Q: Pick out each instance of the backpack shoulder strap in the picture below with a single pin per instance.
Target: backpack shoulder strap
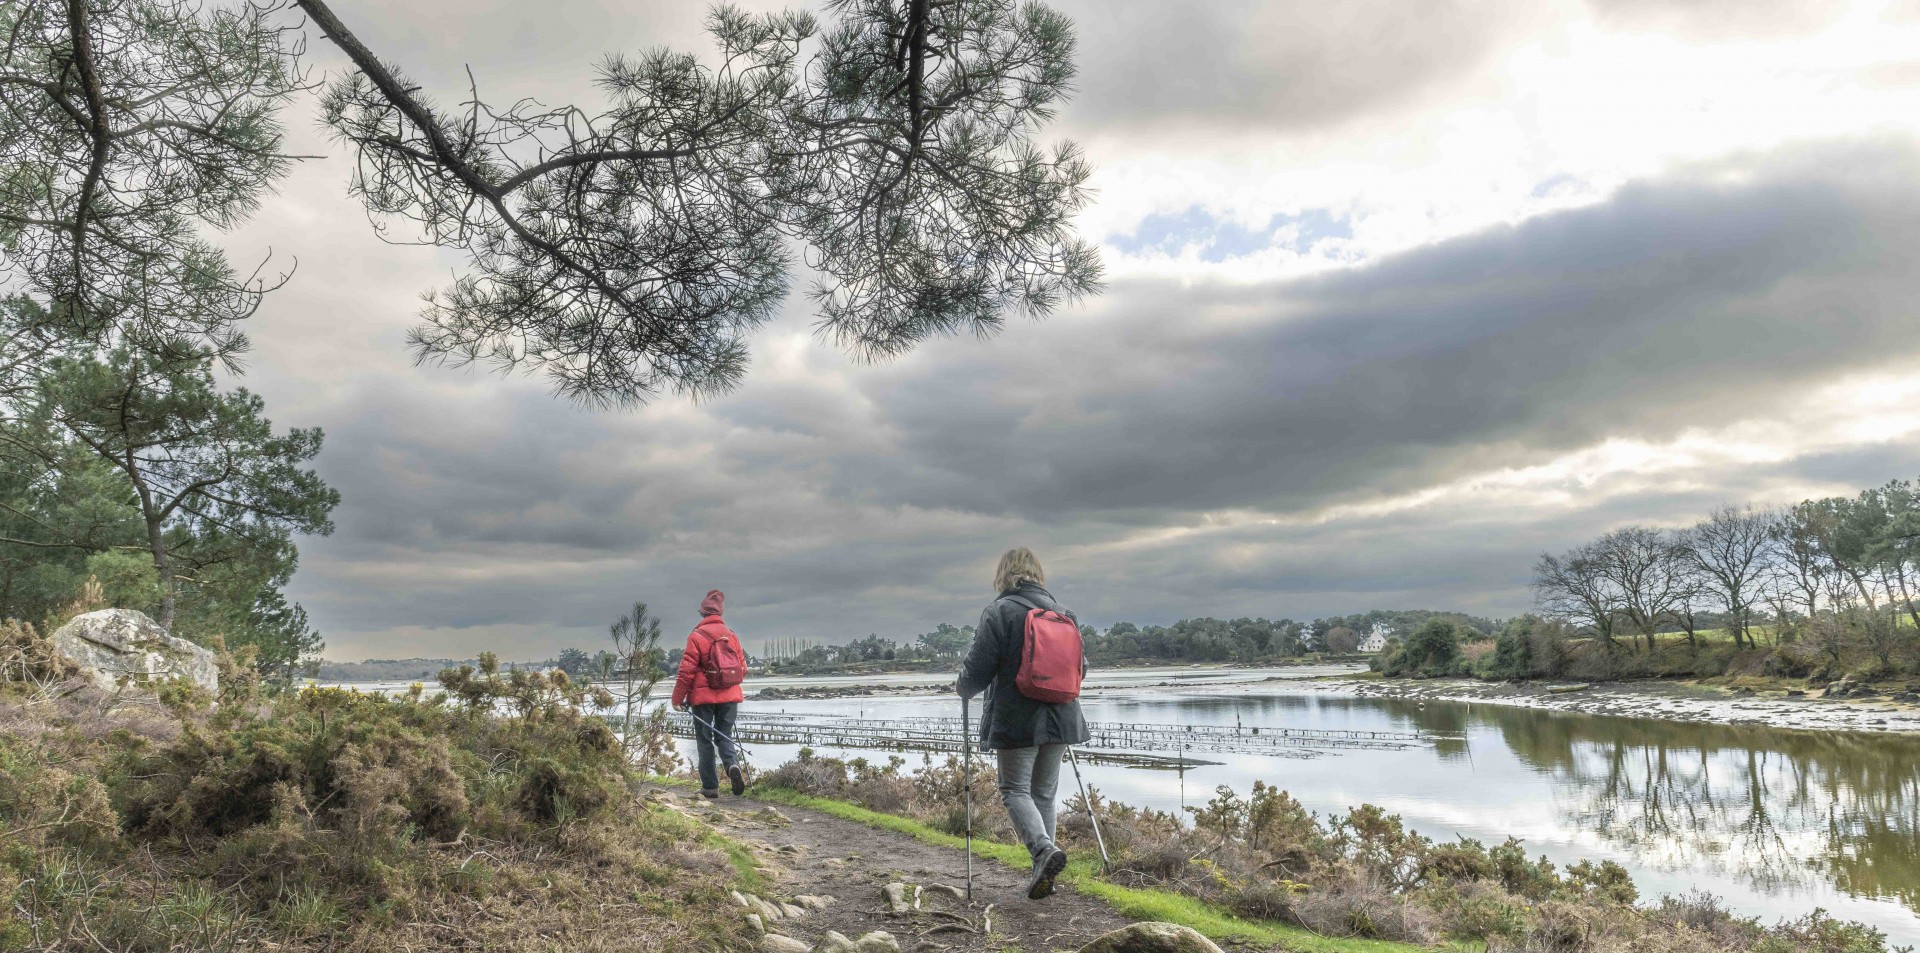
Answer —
(1023, 600)
(707, 639)
(1031, 605)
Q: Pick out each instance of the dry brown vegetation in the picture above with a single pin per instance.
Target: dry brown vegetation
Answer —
(1361, 875)
(327, 819)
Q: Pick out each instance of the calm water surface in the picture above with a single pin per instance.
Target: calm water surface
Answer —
(1775, 822)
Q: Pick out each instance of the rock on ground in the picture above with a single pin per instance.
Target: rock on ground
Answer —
(877, 942)
(835, 942)
(113, 644)
(775, 943)
(1151, 938)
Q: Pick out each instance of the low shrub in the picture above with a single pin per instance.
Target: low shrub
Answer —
(1363, 874)
(330, 819)
(1432, 650)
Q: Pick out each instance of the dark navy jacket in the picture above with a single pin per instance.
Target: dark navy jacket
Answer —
(1009, 719)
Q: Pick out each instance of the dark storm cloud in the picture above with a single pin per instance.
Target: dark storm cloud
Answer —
(1143, 64)
(835, 500)
(1702, 297)
(832, 500)
(1287, 67)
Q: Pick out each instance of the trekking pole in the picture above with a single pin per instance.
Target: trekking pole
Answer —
(737, 746)
(1106, 863)
(966, 784)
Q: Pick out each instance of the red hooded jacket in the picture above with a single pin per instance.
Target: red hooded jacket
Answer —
(691, 687)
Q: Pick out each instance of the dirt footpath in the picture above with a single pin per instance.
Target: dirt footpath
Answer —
(809, 854)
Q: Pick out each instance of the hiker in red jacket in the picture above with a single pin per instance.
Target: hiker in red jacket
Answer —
(712, 671)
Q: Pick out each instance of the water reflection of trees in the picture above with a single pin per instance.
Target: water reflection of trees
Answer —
(1774, 808)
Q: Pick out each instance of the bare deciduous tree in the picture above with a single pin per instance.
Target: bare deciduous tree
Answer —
(1729, 550)
(1800, 571)
(1575, 587)
(1644, 565)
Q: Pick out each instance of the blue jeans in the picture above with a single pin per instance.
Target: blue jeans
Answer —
(1028, 779)
(706, 741)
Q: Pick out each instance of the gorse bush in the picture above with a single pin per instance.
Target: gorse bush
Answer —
(333, 819)
(329, 787)
(28, 662)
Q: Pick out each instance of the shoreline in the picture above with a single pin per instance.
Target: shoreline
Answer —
(1644, 698)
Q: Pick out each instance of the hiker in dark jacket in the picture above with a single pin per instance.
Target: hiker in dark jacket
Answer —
(714, 709)
(1030, 736)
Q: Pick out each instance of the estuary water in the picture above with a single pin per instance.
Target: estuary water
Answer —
(1775, 822)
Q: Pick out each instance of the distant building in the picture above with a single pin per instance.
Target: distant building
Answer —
(1376, 639)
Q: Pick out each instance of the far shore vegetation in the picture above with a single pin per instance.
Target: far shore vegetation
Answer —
(1823, 594)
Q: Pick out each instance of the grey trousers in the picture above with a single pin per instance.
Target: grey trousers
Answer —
(1028, 779)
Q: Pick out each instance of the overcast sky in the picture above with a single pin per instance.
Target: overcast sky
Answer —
(1402, 294)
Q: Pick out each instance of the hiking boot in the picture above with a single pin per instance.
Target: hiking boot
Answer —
(738, 778)
(1040, 883)
(709, 793)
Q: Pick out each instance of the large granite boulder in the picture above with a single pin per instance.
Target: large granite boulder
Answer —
(114, 644)
(1151, 938)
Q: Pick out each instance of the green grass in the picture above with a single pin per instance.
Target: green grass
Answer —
(747, 875)
(1132, 902)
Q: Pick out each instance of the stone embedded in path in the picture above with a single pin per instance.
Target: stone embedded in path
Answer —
(775, 943)
(768, 913)
(835, 942)
(113, 644)
(896, 896)
(793, 911)
(951, 891)
(813, 903)
(877, 942)
(1151, 938)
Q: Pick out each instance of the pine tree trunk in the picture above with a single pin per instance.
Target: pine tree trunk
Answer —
(156, 544)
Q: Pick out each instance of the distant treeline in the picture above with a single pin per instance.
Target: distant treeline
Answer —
(1825, 590)
(1243, 640)
(404, 669)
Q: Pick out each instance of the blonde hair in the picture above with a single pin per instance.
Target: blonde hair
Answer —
(1018, 565)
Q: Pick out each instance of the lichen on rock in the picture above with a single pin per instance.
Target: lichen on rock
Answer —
(112, 645)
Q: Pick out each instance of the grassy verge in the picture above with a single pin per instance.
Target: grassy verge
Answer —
(747, 875)
(1134, 902)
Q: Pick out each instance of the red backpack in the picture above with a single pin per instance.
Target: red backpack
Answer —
(724, 666)
(1050, 657)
